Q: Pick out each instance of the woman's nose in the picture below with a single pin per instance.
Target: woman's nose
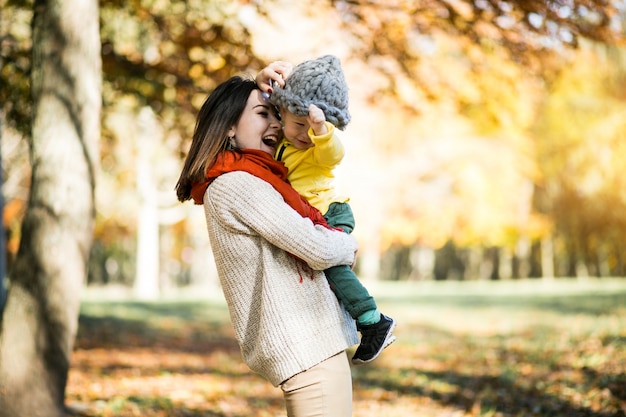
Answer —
(275, 122)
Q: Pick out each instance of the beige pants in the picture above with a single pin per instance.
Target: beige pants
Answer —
(322, 391)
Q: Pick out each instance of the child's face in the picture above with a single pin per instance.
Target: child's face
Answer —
(296, 129)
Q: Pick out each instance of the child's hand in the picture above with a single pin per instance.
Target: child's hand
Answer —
(277, 71)
(317, 120)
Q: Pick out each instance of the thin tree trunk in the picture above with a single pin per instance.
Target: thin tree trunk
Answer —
(3, 253)
(39, 324)
(547, 257)
(494, 263)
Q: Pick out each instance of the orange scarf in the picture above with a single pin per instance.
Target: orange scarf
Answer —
(261, 165)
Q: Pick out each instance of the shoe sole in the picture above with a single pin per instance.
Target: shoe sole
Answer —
(389, 339)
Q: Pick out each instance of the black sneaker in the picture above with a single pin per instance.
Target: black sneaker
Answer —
(374, 338)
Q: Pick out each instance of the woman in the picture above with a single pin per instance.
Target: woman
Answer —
(270, 249)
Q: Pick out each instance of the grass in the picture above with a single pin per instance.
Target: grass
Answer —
(497, 349)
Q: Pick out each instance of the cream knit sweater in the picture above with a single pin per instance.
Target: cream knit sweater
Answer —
(285, 316)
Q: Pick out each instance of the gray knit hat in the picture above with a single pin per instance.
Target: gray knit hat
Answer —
(318, 81)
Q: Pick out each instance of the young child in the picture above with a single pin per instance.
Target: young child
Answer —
(313, 103)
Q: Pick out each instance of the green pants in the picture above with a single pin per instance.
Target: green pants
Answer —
(345, 284)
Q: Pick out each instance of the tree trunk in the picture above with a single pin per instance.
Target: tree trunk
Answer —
(547, 257)
(39, 324)
(491, 263)
(3, 258)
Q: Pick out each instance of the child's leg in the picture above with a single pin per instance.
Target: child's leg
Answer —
(340, 215)
(376, 328)
(354, 296)
(343, 281)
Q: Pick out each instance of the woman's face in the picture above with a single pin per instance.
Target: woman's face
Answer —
(258, 127)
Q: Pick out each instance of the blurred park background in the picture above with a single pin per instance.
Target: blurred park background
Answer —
(486, 140)
(484, 150)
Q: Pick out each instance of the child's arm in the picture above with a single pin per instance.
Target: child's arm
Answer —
(317, 120)
(328, 149)
(277, 71)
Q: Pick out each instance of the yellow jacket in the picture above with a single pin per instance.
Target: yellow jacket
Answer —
(311, 170)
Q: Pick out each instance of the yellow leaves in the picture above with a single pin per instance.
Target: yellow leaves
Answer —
(197, 100)
(196, 54)
(425, 229)
(215, 63)
(582, 130)
(196, 71)
(455, 185)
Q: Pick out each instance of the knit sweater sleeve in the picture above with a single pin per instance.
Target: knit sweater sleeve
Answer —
(247, 204)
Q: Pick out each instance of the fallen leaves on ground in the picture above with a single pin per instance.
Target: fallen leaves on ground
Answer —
(178, 365)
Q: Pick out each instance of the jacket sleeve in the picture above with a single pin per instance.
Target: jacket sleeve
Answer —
(328, 150)
(247, 204)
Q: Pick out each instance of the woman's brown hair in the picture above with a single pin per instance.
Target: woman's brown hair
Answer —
(220, 112)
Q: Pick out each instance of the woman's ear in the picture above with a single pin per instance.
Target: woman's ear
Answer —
(232, 142)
